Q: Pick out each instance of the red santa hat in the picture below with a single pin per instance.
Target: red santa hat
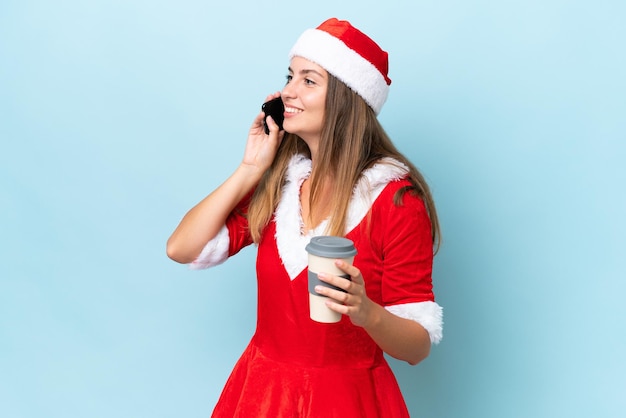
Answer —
(351, 56)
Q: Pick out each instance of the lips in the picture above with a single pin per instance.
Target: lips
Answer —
(292, 110)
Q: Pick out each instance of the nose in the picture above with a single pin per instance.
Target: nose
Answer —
(288, 91)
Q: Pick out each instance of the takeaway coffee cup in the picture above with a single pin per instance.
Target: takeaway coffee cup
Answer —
(323, 251)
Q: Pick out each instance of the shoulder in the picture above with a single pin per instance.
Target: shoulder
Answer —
(399, 218)
(399, 199)
(379, 177)
(391, 178)
(374, 181)
(383, 172)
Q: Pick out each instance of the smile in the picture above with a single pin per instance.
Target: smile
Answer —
(292, 110)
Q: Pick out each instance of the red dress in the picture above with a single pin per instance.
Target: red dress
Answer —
(296, 367)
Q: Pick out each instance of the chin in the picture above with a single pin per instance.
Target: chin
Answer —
(291, 129)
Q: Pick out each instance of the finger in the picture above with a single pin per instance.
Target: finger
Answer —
(271, 124)
(338, 281)
(258, 125)
(338, 307)
(275, 132)
(272, 96)
(354, 272)
(258, 121)
(338, 296)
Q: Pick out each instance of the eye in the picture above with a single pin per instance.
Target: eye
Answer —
(309, 82)
(289, 77)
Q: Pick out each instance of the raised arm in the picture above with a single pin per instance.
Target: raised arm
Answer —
(205, 219)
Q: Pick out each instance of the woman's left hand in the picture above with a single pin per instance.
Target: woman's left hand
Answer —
(354, 301)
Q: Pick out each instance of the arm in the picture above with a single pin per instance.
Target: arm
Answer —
(204, 220)
(401, 338)
(404, 320)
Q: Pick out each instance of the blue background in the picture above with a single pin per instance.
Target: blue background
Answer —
(117, 116)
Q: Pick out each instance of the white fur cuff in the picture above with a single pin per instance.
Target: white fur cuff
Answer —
(427, 314)
(214, 252)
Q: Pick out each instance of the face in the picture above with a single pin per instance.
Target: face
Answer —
(304, 96)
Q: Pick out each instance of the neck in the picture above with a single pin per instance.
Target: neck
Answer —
(313, 215)
(312, 143)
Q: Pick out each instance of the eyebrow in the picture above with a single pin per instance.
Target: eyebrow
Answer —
(307, 71)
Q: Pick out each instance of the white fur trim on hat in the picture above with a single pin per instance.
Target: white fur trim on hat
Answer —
(344, 63)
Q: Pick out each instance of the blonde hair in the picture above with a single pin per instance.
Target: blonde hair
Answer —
(352, 140)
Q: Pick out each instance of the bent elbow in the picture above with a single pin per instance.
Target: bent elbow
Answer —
(420, 355)
(175, 254)
(417, 360)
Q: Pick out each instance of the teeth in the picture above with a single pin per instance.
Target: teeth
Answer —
(292, 110)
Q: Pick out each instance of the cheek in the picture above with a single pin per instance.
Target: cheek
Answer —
(319, 107)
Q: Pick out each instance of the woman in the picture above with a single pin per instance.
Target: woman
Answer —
(332, 171)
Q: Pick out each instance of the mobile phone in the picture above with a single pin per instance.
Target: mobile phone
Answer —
(276, 109)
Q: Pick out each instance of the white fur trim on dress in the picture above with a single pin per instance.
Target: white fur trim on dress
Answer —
(214, 252)
(427, 314)
(369, 187)
(344, 63)
(290, 240)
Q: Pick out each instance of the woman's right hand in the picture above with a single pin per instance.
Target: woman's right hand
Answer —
(204, 221)
(261, 148)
